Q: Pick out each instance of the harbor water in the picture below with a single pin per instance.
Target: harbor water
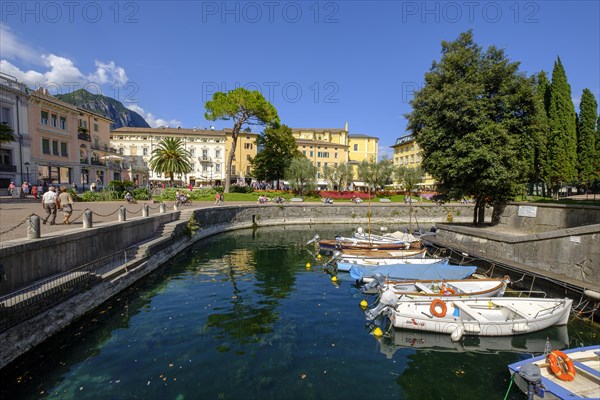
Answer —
(242, 316)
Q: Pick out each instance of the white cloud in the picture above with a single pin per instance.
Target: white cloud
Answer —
(15, 49)
(151, 118)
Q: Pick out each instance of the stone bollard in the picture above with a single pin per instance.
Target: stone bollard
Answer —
(163, 208)
(33, 227)
(145, 210)
(175, 208)
(122, 214)
(87, 219)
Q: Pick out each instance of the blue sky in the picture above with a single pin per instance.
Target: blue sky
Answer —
(320, 63)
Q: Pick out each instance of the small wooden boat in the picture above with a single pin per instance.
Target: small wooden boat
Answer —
(479, 316)
(344, 264)
(329, 244)
(431, 289)
(404, 237)
(568, 374)
(398, 254)
(413, 271)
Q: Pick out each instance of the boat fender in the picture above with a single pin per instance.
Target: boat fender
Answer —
(561, 365)
(433, 308)
(592, 294)
(388, 298)
(457, 333)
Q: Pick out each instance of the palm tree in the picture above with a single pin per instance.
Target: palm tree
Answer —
(6, 133)
(170, 157)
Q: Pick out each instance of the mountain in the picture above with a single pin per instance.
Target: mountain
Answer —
(105, 106)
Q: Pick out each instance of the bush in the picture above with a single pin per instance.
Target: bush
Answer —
(348, 195)
(241, 189)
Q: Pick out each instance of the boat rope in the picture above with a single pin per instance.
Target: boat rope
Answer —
(512, 378)
(523, 277)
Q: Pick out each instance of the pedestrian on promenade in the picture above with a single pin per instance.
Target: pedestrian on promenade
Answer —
(40, 189)
(11, 188)
(25, 189)
(65, 203)
(49, 204)
(34, 191)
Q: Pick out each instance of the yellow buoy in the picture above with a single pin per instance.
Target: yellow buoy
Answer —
(334, 278)
(318, 256)
(364, 303)
(377, 332)
(307, 265)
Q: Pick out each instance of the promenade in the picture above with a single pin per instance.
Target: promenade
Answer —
(14, 212)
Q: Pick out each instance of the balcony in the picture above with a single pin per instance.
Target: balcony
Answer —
(205, 159)
(97, 162)
(8, 168)
(84, 136)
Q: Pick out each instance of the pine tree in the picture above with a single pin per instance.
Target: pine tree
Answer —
(562, 139)
(586, 138)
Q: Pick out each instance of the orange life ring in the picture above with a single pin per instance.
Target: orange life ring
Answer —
(446, 291)
(561, 365)
(433, 308)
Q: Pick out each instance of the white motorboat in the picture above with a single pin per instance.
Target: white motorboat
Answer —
(479, 316)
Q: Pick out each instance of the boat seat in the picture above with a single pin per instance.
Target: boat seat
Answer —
(423, 288)
(472, 312)
(511, 308)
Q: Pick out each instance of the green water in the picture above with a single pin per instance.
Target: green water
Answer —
(239, 316)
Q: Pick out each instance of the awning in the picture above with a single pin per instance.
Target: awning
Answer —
(359, 184)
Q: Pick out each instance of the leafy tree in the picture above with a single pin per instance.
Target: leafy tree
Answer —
(562, 140)
(339, 175)
(472, 119)
(302, 175)
(243, 107)
(6, 133)
(586, 138)
(170, 157)
(376, 174)
(277, 147)
(408, 177)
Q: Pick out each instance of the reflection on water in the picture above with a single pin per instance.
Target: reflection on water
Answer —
(239, 316)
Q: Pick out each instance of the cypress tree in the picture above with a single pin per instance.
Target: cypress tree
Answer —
(562, 139)
(586, 137)
(540, 128)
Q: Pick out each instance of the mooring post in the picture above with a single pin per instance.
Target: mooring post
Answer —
(33, 227)
(87, 219)
(145, 210)
(175, 208)
(122, 214)
(163, 208)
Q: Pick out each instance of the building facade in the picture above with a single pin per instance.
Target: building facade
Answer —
(15, 156)
(207, 149)
(408, 153)
(70, 145)
(245, 151)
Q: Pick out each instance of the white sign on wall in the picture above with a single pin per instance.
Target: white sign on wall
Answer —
(527, 211)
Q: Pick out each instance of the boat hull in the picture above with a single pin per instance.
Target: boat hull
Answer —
(413, 271)
(483, 316)
(344, 264)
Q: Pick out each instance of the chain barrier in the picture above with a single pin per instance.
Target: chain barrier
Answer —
(133, 213)
(154, 208)
(80, 215)
(107, 215)
(19, 224)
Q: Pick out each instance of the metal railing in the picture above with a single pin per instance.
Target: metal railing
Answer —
(29, 301)
(8, 168)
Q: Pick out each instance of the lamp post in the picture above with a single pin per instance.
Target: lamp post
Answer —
(27, 168)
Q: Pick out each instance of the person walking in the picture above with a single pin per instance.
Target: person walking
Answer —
(49, 200)
(65, 202)
(25, 189)
(217, 199)
(34, 191)
(11, 188)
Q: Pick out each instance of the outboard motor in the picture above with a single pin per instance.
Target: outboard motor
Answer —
(532, 375)
(376, 284)
(387, 301)
(314, 239)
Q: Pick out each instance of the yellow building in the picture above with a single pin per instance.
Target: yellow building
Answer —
(408, 153)
(246, 150)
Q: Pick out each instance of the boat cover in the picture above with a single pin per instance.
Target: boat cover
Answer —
(433, 271)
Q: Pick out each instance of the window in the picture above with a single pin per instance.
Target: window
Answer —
(63, 123)
(247, 146)
(46, 146)
(145, 151)
(218, 153)
(55, 148)
(53, 120)
(311, 153)
(304, 152)
(218, 168)
(334, 155)
(44, 118)
(83, 123)
(204, 167)
(355, 147)
(204, 154)
(5, 157)
(193, 152)
(63, 149)
(95, 127)
(5, 116)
